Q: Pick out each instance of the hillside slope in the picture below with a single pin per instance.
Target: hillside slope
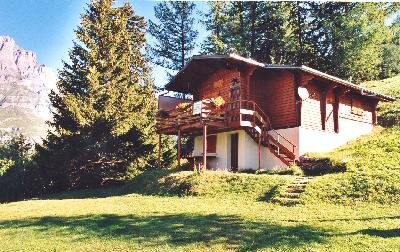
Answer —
(388, 112)
(372, 171)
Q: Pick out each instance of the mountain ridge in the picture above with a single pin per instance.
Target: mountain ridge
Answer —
(24, 88)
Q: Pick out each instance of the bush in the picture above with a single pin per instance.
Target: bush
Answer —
(315, 165)
(20, 182)
(19, 175)
(389, 114)
(5, 164)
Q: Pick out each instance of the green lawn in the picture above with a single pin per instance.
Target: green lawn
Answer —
(159, 223)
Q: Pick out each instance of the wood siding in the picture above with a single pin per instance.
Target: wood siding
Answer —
(311, 108)
(218, 84)
(345, 111)
(274, 92)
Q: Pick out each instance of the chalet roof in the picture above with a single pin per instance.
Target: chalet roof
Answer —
(200, 66)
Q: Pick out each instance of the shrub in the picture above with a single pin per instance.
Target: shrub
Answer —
(20, 182)
(5, 164)
(19, 175)
(319, 165)
(389, 114)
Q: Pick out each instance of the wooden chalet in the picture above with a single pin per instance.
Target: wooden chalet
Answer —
(248, 115)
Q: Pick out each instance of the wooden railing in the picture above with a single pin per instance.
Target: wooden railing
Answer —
(175, 117)
(249, 111)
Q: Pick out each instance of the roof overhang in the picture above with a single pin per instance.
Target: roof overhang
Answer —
(201, 66)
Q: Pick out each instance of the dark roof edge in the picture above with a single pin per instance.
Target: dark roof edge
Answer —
(364, 91)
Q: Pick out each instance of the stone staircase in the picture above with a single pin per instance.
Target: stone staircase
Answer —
(291, 194)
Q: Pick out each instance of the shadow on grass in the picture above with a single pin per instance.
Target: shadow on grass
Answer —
(145, 183)
(230, 232)
(384, 233)
(357, 219)
(270, 194)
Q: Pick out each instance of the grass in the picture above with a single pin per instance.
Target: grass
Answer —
(158, 223)
(220, 185)
(210, 184)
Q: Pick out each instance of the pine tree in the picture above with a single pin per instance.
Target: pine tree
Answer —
(343, 39)
(251, 29)
(214, 21)
(350, 39)
(174, 34)
(104, 109)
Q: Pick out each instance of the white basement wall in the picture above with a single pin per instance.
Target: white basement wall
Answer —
(305, 139)
(312, 140)
(247, 151)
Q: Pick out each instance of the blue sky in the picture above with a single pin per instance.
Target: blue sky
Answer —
(47, 27)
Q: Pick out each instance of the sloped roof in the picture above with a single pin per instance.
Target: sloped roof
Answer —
(184, 77)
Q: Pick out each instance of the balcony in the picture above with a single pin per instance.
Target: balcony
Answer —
(189, 117)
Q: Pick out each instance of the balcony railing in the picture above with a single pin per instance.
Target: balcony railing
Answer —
(189, 113)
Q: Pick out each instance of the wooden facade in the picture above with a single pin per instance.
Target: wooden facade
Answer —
(262, 99)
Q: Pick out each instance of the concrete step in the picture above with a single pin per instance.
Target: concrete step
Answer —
(297, 185)
(291, 195)
(294, 190)
(302, 181)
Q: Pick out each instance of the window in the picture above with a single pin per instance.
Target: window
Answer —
(356, 107)
(212, 144)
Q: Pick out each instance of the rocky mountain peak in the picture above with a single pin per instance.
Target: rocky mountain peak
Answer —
(24, 88)
(17, 63)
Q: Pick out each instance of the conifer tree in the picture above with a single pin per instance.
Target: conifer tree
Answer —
(103, 116)
(214, 21)
(174, 34)
(343, 39)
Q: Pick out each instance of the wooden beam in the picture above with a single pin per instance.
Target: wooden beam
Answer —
(159, 152)
(179, 148)
(297, 99)
(259, 151)
(204, 147)
(336, 92)
(374, 116)
(322, 106)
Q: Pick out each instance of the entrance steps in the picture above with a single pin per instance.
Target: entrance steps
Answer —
(291, 194)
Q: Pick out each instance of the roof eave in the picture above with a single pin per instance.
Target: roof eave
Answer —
(307, 69)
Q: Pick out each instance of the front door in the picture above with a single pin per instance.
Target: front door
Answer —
(234, 151)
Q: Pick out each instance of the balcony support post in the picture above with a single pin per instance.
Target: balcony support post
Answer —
(204, 147)
(159, 152)
(179, 147)
(259, 150)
